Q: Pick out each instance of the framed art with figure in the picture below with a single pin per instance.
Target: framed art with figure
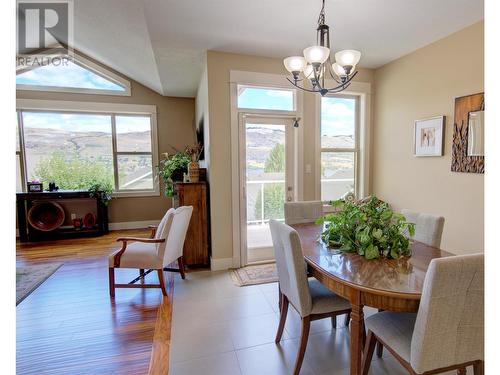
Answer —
(429, 136)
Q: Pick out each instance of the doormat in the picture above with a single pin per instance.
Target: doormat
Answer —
(254, 275)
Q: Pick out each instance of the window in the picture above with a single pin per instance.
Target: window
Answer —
(77, 149)
(71, 74)
(339, 146)
(266, 98)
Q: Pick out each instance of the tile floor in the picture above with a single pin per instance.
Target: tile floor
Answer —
(221, 329)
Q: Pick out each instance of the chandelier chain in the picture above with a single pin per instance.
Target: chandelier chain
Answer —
(321, 17)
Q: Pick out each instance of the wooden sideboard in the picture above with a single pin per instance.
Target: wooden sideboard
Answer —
(197, 244)
(27, 200)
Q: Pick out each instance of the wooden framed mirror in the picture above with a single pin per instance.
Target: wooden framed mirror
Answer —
(468, 134)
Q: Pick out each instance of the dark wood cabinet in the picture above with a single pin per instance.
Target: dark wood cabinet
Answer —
(197, 244)
(27, 200)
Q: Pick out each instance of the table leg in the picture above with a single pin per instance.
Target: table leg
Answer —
(357, 328)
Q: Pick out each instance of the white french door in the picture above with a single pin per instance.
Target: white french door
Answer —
(267, 180)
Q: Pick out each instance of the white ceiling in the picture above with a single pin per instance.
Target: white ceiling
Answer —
(160, 43)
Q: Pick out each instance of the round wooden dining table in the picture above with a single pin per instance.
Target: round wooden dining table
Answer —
(387, 284)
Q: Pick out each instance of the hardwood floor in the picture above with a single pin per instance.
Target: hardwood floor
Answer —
(69, 325)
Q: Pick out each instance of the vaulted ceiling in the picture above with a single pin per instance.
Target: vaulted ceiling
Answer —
(160, 43)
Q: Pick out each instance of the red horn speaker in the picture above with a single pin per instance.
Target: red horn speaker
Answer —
(46, 216)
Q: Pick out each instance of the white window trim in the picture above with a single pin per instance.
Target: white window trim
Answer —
(103, 108)
(267, 80)
(87, 64)
(362, 184)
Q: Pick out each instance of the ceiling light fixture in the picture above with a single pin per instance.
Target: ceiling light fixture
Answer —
(316, 63)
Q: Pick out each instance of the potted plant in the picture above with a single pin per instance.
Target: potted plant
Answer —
(194, 153)
(171, 168)
(101, 191)
(369, 228)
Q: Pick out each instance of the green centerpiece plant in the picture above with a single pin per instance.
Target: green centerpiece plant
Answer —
(171, 164)
(369, 228)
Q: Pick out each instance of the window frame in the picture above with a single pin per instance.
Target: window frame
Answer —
(355, 150)
(89, 108)
(86, 64)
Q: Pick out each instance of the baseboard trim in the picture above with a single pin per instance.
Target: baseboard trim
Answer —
(221, 264)
(132, 224)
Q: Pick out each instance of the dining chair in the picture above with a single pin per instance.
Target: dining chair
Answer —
(303, 212)
(428, 228)
(447, 333)
(164, 247)
(308, 297)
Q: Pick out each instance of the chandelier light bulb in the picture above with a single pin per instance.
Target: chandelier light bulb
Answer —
(309, 72)
(295, 64)
(316, 54)
(348, 57)
(338, 70)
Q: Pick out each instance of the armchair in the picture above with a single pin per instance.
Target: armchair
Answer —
(164, 246)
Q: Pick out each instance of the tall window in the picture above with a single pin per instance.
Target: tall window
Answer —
(76, 150)
(339, 146)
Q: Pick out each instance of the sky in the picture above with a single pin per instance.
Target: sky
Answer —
(337, 116)
(84, 122)
(66, 75)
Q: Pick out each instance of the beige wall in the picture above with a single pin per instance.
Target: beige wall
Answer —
(422, 84)
(219, 66)
(175, 117)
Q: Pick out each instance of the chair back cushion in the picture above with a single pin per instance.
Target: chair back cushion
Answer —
(303, 212)
(164, 226)
(428, 228)
(174, 243)
(292, 273)
(449, 329)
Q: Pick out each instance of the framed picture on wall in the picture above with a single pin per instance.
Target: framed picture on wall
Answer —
(429, 136)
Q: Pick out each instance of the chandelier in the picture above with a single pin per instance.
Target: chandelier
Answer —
(312, 68)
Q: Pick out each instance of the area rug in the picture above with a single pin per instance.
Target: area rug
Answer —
(253, 275)
(31, 277)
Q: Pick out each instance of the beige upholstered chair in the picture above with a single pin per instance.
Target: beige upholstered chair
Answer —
(156, 253)
(303, 212)
(447, 333)
(310, 298)
(428, 228)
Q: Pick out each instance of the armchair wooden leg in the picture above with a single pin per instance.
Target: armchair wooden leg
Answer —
(478, 368)
(141, 272)
(304, 336)
(181, 267)
(347, 319)
(280, 297)
(371, 340)
(334, 322)
(162, 282)
(283, 313)
(111, 281)
(380, 349)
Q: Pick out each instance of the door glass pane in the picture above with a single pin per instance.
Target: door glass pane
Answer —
(337, 174)
(72, 150)
(133, 133)
(135, 172)
(265, 181)
(265, 98)
(19, 180)
(338, 122)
